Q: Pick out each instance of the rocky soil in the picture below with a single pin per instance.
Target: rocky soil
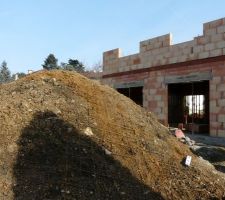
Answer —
(66, 137)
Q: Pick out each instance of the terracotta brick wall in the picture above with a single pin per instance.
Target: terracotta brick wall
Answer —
(156, 95)
(158, 59)
(155, 91)
(160, 51)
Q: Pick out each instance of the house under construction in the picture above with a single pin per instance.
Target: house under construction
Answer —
(183, 84)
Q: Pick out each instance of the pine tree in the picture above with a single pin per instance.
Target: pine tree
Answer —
(5, 74)
(73, 65)
(50, 62)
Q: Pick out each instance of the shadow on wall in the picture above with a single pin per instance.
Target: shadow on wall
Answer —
(56, 162)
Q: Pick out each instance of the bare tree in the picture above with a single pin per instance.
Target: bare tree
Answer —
(97, 67)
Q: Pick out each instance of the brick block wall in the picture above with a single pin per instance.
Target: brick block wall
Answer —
(217, 101)
(160, 51)
(156, 95)
(110, 60)
(155, 43)
(155, 91)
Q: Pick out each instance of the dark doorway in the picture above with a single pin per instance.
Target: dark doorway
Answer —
(134, 93)
(188, 106)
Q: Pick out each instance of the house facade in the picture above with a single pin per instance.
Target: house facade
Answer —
(183, 84)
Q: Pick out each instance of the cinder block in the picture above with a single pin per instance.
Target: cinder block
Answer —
(209, 32)
(158, 45)
(133, 67)
(212, 104)
(221, 102)
(212, 87)
(187, 50)
(158, 97)
(152, 104)
(161, 116)
(216, 125)
(215, 52)
(201, 40)
(220, 45)
(221, 87)
(161, 104)
(145, 104)
(150, 98)
(163, 61)
(159, 57)
(160, 79)
(157, 110)
(215, 109)
(221, 118)
(213, 24)
(173, 60)
(209, 47)
(198, 49)
(192, 56)
(152, 91)
(215, 80)
(140, 66)
(120, 69)
(217, 38)
(214, 95)
(213, 117)
(203, 55)
(213, 132)
(142, 48)
(221, 29)
(221, 133)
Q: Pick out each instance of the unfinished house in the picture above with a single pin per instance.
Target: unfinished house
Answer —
(183, 84)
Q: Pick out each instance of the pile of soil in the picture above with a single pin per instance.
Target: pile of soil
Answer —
(66, 137)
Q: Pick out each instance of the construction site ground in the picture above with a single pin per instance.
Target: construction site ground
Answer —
(65, 137)
(211, 149)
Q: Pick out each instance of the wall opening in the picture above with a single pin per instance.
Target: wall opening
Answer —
(188, 106)
(134, 93)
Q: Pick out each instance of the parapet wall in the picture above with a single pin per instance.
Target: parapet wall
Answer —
(160, 50)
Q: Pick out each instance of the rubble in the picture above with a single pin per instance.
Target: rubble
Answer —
(45, 152)
(178, 133)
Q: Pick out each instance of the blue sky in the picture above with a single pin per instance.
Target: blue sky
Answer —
(83, 29)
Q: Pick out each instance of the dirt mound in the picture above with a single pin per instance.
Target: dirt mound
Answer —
(66, 137)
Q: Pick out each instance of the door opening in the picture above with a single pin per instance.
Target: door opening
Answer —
(188, 106)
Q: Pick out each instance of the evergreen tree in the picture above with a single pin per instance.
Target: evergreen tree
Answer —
(50, 62)
(73, 65)
(5, 74)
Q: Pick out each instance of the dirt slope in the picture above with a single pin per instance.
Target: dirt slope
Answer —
(66, 137)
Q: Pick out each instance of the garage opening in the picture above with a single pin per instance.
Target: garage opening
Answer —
(134, 93)
(188, 106)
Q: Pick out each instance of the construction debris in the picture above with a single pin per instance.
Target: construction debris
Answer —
(46, 151)
(188, 161)
(179, 134)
